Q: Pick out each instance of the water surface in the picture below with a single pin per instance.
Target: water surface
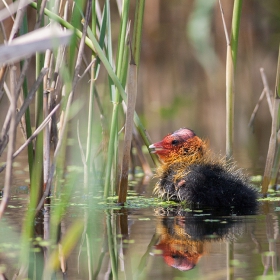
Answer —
(152, 242)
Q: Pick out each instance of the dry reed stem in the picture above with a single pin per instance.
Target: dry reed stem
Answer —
(47, 189)
(18, 21)
(34, 135)
(87, 69)
(31, 94)
(11, 146)
(250, 124)
(224, 23)
(27, 101)
(8, 9)
(16, 26)
(12, 8)
(3, 75)
(229, 92)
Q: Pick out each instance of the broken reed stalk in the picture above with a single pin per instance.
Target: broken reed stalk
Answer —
(12, 140)
(272, 154)
(131, 101)
(266, 92)
(253, 115)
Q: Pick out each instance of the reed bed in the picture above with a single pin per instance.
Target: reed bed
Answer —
(71, 44)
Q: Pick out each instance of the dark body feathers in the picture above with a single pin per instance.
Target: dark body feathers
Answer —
(209, 185)
(190, 173)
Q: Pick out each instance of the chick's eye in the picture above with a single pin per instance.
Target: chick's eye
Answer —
(175, 142)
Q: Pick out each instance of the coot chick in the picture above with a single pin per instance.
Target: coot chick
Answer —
(189, 173)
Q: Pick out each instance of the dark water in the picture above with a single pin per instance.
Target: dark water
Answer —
(153, 242)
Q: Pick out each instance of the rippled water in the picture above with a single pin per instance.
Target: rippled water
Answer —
(144, 241)
(155, 242)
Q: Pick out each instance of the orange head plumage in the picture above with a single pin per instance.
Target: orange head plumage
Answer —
(181, 145)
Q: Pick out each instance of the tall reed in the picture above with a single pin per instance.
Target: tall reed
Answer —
(232, 47)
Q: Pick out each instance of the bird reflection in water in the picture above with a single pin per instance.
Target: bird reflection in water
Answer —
(184, 235)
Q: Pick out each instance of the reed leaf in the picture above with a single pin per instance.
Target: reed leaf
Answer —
(64, 249)
(35, 41)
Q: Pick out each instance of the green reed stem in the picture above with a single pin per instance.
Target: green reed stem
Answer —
(28, 126)
(230, 73)
(137, 31)
(112, 148)
(236, 16)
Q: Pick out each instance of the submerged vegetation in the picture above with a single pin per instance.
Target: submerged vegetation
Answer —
(69, 91)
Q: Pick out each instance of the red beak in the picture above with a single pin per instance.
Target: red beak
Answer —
(156, 147)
